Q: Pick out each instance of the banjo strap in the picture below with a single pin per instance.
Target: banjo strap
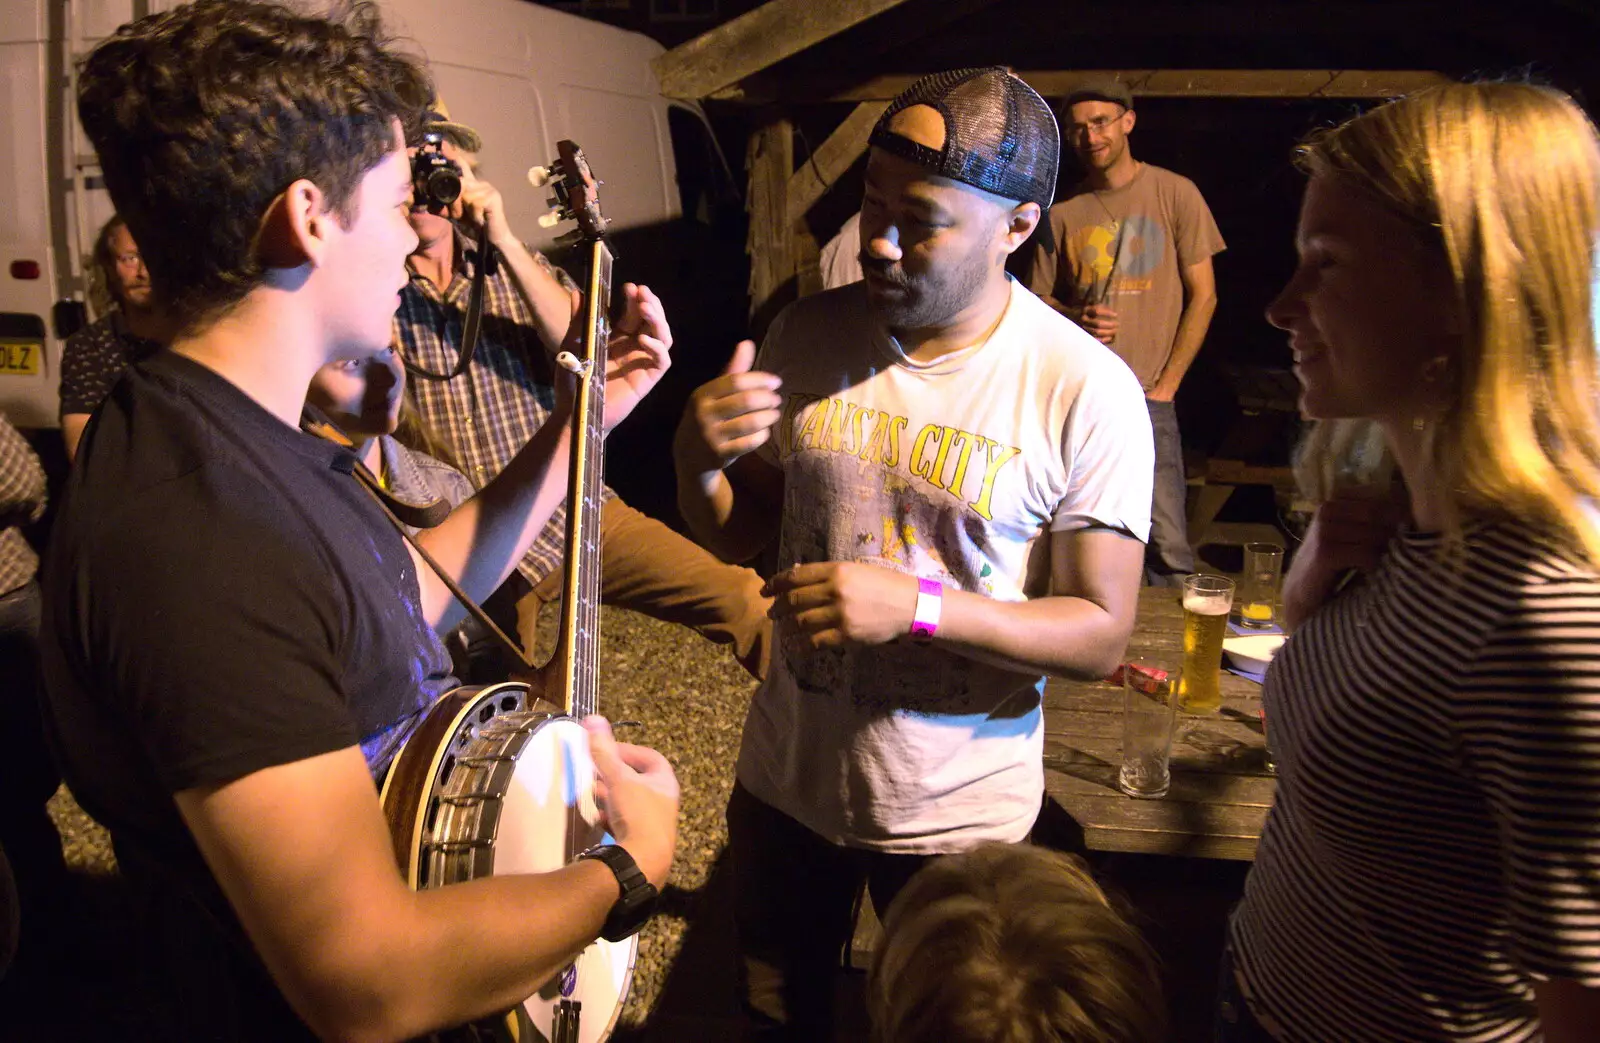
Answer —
(427, 515)
(369, 482)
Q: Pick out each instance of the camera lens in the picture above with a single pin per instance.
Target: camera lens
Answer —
(444, 186)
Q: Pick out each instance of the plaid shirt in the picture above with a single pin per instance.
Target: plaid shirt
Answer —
(490, 411)
(22, 496)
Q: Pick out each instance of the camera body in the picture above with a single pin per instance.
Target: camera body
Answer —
(435, 178)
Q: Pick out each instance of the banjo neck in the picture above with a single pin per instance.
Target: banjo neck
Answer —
(577, 656)
(572, 677)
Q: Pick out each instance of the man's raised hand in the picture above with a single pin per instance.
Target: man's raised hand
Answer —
(639, 353)
(729, 416)
(480, 204)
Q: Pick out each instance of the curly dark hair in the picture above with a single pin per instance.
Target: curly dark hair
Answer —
(203, 115)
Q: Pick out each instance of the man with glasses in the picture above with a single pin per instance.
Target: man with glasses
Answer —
(1133, 267)
(131, 328)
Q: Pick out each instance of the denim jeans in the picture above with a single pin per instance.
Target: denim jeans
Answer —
(1168, 557)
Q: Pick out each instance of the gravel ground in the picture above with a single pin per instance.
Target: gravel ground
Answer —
(690, 699)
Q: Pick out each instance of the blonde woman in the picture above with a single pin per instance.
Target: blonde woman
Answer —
(1431, 868)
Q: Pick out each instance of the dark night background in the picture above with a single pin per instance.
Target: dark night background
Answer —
(1237, 150)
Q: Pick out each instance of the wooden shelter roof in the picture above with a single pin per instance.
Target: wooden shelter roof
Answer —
(789, 54)
(816, 50)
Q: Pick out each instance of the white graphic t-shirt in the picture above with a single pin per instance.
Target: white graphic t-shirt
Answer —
(956, 470)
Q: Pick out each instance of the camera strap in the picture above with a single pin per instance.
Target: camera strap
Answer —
(474, 316)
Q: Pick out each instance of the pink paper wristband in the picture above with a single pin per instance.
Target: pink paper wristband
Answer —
(930, 600)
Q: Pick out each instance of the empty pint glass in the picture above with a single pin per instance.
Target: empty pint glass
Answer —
(1258, 586)
(1149, 709)
(1206, 603)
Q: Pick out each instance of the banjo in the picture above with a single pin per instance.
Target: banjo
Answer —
(496, 781)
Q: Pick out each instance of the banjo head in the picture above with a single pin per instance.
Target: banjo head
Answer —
(508, 790)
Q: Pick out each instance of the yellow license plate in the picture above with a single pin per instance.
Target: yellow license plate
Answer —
(20, 358)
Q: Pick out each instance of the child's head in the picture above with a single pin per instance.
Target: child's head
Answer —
(1011, 944)
(363, 396)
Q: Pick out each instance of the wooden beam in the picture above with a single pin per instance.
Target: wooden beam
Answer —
(832, 158)
(756, 40)
(1199, 83)
(770, 160)
(825, 67)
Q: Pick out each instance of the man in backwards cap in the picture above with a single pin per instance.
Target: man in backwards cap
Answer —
(959, 481)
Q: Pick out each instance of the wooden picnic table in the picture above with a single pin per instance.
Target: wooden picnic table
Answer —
(1221, 789)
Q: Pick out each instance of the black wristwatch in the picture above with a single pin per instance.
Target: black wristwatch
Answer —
(638, 901)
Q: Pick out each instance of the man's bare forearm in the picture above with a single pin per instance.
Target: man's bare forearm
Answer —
(487, 947)
(303, 854)
(1061, 636)
(550, 301)
(479, 948)
(728, 524)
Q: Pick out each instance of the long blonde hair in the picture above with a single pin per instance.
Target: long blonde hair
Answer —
(1504, 178)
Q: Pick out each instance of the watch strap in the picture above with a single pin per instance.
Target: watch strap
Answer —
(638, 899)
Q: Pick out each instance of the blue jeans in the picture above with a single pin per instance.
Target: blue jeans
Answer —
(1168, 557)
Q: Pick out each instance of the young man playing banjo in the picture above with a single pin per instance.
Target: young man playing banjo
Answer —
(236, 640)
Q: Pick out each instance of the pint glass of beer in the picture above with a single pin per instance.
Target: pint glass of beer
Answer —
(1206, 603)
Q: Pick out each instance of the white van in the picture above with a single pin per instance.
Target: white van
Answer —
(524, 75)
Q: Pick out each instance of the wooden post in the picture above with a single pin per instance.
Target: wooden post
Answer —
(1198, 83)
(808, 259)
(770, 161)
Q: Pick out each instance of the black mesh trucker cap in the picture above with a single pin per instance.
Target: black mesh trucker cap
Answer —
(999, 135)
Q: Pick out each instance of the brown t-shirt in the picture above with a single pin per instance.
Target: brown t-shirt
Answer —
(1125, 248)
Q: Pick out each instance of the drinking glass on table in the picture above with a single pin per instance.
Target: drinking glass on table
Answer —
(1258, 586)
(1149, 710)
(1206, 602)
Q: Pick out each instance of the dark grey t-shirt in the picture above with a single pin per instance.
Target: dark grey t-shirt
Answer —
(222, 597)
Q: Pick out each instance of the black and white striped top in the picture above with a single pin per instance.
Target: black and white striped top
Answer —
(1435, 842)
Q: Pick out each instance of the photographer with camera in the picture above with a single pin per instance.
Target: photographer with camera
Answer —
(447, 192)
(505, 395)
